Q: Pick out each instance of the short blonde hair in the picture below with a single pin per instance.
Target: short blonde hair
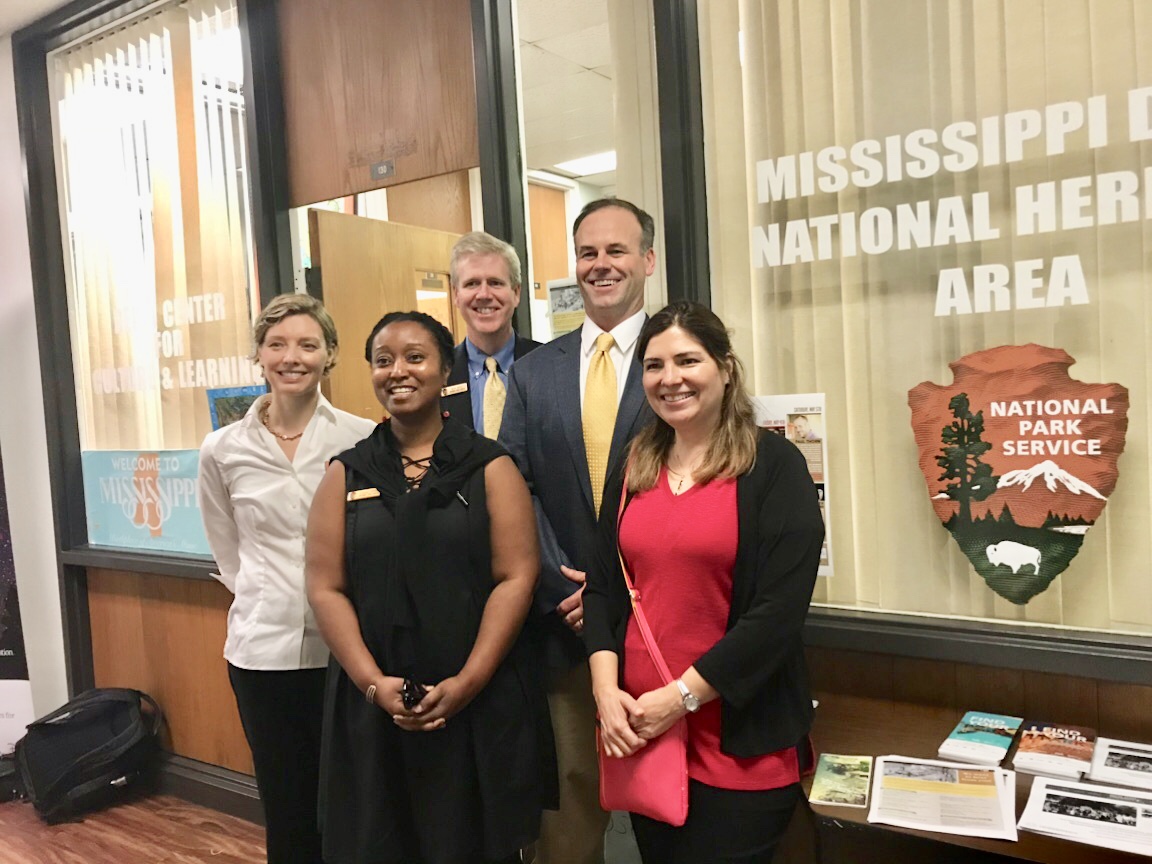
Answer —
(483, 243)
(285, 306)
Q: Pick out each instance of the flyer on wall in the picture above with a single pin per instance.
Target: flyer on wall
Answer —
(799, 417)
(15, 690)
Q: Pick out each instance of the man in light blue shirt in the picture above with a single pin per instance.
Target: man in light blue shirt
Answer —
(485, 279)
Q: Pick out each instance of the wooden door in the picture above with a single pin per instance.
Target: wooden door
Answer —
(369, 267)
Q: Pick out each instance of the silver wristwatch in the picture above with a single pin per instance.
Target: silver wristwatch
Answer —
(691, 703)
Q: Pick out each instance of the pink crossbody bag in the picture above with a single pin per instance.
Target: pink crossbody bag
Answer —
(653, 781)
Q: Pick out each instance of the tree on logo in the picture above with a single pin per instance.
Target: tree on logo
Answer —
(960, 458)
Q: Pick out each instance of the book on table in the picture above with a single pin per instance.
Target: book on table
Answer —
(1054, 750)
(981, 738)
(841, 780)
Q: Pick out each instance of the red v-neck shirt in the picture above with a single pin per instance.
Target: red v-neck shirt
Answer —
(680, 551)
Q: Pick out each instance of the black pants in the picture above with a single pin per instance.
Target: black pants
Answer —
(282, 713)
(724, 827)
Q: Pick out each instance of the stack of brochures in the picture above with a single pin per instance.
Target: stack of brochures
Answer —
(1054, 750)
(1088, 813)
(941, 796)
(1125, 762)
(980, 738)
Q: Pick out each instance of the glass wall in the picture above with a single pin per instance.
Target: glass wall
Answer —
(587, 84)
(894, 187)
(151, 156)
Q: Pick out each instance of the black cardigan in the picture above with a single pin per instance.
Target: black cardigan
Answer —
(758, 665)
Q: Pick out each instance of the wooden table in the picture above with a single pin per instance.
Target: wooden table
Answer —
(860, 726)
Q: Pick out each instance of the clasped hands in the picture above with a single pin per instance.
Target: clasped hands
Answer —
(628, 723)
(441, 702)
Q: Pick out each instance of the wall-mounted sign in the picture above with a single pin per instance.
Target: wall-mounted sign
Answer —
(143, 500)
(1020, 459)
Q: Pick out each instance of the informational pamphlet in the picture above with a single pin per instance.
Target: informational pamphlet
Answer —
(1125, 762)
(981, 738)
(1088, 813)
(944, 796)
(800, 418)
(1054, 750)
(841, 780)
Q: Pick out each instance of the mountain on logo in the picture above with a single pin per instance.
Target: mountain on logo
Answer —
(1052, 474)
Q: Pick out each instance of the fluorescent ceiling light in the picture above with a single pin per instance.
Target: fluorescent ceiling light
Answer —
(596, 164)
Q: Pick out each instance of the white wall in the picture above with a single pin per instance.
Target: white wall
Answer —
(23, 444)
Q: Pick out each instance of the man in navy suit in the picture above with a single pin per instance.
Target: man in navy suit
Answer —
(485, 278)
(543, 429)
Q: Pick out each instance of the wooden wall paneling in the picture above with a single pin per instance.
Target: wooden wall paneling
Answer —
(368, 267)
(549, 219)
(851, 673)
(165, 636)
(986, 688)
(1125, 711)
(443, 203)
(115, 611)
(1061, 699)
(365, 82)
(924, 682)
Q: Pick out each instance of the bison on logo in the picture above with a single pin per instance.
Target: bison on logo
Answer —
(1020, 460)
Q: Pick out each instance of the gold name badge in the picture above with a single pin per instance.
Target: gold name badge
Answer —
(361, 494)
(453, 389)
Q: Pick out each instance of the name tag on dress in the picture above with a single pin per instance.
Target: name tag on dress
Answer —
(453, 389)
(361, 494)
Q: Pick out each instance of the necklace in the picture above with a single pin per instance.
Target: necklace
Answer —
(683, 477)
(264, 420)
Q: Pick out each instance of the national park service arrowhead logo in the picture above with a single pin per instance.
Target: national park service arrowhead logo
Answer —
(1020, 460)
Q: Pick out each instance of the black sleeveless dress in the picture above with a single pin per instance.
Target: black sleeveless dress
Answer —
(419, 573)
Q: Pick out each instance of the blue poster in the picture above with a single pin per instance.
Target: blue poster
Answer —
(137, 499)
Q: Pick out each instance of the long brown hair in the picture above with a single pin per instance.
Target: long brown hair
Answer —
(732, 448)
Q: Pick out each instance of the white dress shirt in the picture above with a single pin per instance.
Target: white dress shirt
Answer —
(254, 503)
(625, 333)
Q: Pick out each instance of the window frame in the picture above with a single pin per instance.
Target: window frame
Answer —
(1112, 658)
(1118, 658)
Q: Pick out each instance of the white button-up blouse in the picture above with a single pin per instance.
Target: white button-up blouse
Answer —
(254, 503)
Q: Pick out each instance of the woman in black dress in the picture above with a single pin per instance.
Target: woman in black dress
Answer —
(419, 585)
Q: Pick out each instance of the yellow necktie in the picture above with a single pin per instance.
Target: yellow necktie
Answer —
(599, 416)
(494, 396)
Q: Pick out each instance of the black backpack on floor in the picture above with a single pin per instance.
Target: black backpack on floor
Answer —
(92, 751)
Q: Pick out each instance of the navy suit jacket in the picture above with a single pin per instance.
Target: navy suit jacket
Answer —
(459, 405)
(542, 430)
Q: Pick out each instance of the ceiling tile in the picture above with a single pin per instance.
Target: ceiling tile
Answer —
(545, 156)
(564, 94)
(543, 19)
(590, 46)
(539, 67)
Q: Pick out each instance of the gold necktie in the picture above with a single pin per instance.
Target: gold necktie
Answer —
(494, 396)
(599, 416)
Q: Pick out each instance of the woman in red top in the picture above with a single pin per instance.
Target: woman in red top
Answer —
(721, 532)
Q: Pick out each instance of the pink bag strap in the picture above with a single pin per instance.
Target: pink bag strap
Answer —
(634, 595)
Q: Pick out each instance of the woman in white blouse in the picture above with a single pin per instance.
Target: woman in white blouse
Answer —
(257, 479)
